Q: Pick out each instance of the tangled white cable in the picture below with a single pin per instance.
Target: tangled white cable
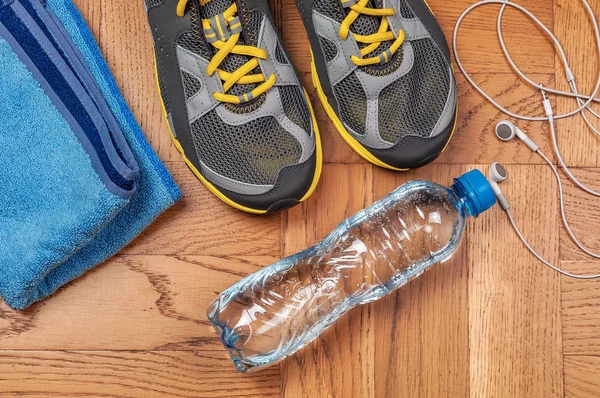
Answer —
(506, 130)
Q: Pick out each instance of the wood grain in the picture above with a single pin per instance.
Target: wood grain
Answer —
(202, 224)
(581, 376)
(341, 362)
(422, 345)
(582, 210)
(515, 334)
(128, 374)
(580, 310)
(130, 303)
(575, 31)
(475, 140)
(126, 41)
(492, 322)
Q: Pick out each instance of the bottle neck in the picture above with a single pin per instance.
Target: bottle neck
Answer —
(464, 200)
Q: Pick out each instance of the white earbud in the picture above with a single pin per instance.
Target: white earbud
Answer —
(496, 175)
(506, 131)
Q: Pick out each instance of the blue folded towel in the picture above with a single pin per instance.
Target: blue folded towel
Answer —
(78, 180)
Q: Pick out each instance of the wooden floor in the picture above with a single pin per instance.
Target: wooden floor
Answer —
(490, 323)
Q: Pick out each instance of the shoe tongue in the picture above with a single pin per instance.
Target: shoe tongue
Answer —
(233, 61)
(365, 25)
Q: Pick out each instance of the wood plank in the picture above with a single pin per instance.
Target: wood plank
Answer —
(581, 377)
(580, 146)
(475, 140)
(478, 43)
(581, 310)
(341, 362)
(335, 149)
(276, 11)
(422, 337)
(488, 323)
(583, 214)
(201, 224)
(130, 303)
(92, 13)
(126, 43)
(128, 374)
(514, 302)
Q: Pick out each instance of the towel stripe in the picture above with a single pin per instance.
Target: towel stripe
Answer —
(34, 50)
(62, 43)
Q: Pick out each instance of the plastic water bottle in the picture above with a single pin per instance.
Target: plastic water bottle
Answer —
(274, 312)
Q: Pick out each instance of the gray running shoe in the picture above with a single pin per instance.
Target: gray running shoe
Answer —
(234, 102)
(382, 71)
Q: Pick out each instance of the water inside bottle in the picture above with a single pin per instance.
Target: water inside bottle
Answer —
(280, 309)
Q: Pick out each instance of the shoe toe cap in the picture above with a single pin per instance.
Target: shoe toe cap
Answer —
(414, 151)
(292, 184)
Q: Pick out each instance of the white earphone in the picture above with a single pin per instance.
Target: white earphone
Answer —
(496, 175)
(506, 130)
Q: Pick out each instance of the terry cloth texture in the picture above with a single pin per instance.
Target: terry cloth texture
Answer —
(78, 179)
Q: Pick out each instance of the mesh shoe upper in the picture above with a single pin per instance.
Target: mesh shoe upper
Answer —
(240, 147)
(412, 94)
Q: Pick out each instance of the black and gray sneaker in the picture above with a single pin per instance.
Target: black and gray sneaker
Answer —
(234, 102)
(382, 71)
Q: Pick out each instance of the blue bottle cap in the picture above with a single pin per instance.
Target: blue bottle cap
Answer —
(476, 187)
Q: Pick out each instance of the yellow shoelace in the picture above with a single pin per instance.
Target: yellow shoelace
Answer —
(230, 46)
(374, 40)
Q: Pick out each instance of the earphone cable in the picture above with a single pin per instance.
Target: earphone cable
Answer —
(542, 259)
(562, 162)
(588, 99)
(562, 208)
(583, 101)
(568, 72)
